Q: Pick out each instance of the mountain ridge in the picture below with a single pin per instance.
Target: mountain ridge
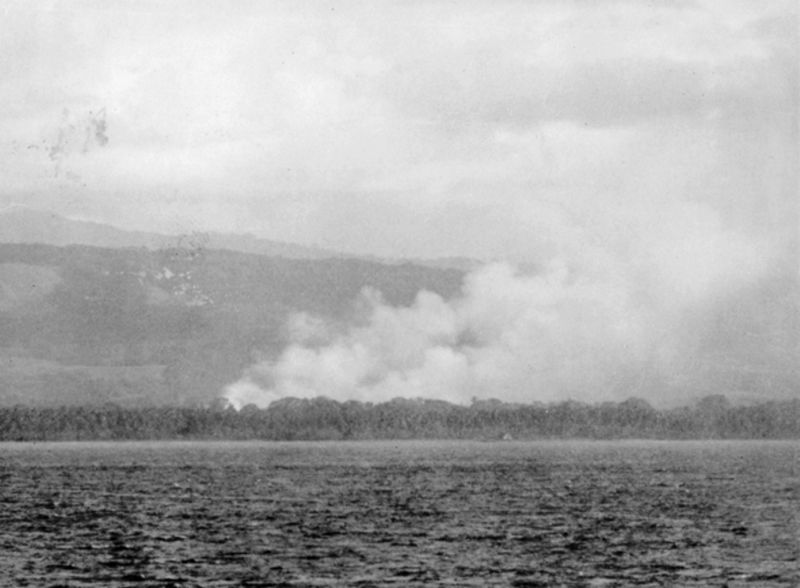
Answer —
(22, 224)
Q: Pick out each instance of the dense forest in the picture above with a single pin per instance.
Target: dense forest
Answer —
(321, 418)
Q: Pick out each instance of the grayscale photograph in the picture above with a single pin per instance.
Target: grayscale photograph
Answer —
(365, 293)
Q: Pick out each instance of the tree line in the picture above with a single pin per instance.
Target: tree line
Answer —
(321, 418)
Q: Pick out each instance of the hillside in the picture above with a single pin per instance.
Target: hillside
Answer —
(19, 224)
(135, 326)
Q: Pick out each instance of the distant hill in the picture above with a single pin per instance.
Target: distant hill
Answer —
(140, 325)
(19, 224)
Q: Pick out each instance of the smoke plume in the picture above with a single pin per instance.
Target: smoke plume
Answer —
(598, 326)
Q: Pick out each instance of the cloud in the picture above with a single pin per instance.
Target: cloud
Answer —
(405, 106)
(615, 65)
(496, 92)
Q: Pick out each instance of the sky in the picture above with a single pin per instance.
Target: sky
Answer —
(642, 155)
(494, 130)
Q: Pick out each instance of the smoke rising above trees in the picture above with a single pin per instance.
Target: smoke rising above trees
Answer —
(566, 331)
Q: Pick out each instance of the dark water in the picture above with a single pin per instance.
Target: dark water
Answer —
(400, 514)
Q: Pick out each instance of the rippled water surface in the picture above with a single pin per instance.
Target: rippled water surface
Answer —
(400, 514)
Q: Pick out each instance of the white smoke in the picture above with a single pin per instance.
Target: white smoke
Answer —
(512, 336)
(632, 316)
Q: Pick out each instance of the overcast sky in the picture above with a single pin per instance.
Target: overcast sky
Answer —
(502, 129)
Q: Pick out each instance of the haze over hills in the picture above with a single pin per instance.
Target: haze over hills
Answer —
(20, 224)
(90, 313)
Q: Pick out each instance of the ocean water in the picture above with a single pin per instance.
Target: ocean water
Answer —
(550, 513)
